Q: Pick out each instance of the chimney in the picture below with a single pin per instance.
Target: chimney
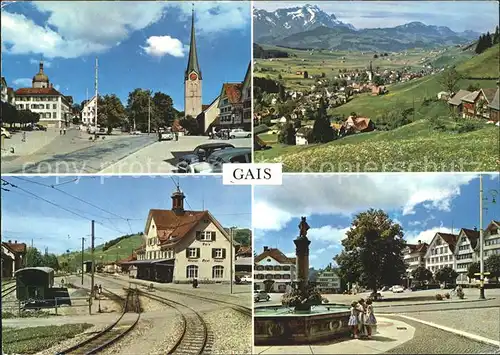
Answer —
(15, 241)
(10, 241)
(266, 248)
(419, 242)
(178, 202)
(475, 229)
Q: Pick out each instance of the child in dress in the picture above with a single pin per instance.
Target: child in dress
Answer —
(354, 319)
(370, 320)
(362, 318)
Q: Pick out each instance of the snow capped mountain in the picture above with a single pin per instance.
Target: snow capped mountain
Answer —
(284, 22)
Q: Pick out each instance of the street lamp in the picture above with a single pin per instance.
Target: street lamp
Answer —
(482, 200)
(231, 260)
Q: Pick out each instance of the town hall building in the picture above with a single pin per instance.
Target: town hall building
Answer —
(180, 246)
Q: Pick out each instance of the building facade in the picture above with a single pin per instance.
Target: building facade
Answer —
(275, 266)
(13, 258)
(492, 239)
(231, 106)
(440, 252)
(466, 253)
(328, 282)
(4, 90)
(88, 112)
(414, 257)
(54, 108)
(206, 119)
(193, 80)
(180, 246)
(246, 92)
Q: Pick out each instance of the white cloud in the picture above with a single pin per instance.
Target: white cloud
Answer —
(159, 46)
(75, 28)
(22, 82)
(46, 64)
(426, 236)
(327, 234)
(346, 194)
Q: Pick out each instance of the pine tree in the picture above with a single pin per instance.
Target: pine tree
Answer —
(322, 130)
(488, 41)
(480, 47)
(496, 36)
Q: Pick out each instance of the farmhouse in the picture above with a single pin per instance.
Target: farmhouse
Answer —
(475, 104)
(359, 124)
(455, 102)
(494, 107)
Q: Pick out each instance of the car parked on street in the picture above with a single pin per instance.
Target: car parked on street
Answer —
(246, 279)
(261, 296)
(165, 135)
(239, 133)
(200, 154)
(5, 133)
(397, 289)
(217, 159)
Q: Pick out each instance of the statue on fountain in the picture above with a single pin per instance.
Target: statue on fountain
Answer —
(303, 294)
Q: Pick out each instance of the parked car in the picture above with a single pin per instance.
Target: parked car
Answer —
(261, 296)
(217, 159)
(135, 133)
(6, 133)
(200, 154)
(239, 133)
(397, 289)
(39, 127)
(165, 135)
(246, 279)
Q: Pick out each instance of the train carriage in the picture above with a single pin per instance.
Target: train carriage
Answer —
(34, 283)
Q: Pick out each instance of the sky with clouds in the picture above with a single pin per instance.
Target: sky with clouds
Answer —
(422, 204)
(140, 44)
(459, 16)
(25, 217)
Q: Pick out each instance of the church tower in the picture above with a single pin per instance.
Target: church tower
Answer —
(192, 79)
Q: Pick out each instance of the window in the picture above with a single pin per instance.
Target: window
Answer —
(192, 272)
(54, 106)
(218, 253)
(54, 114)
(239, 159)
(192, 252)
(205, 236)
(218, 272)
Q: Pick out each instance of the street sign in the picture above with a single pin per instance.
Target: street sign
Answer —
(479, 274)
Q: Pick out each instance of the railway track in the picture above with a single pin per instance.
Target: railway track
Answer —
(194, 339)
(124, 324)
(8, 290)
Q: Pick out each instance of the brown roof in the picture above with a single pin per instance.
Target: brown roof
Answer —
(471, 97)
(244, 249)
(233, 92)
(16, 247)
(494, 104)
(450, 239)
(37, 91)
(172, 227)
(129, 258)
(489, 93)
(420, 248)
(472, 235)
(276, 254)
(457, 98)
(360, 123)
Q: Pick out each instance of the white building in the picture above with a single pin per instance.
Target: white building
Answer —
(53, 107)
(4, 88)
(492, 239)
(328, 282)
(181, 245)
(88, 112)
(466, 253)
(440, 252)
(273, 265)
(414, 257)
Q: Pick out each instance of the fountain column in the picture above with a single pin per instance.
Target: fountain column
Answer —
(302, 264)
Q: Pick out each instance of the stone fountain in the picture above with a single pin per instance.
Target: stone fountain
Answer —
(302, 319)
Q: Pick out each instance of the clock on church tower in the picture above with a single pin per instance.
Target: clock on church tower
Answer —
(193, 76)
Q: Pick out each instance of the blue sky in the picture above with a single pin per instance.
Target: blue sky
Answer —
(140, 44)
(25, 217)
(459, 16)
(422, 203)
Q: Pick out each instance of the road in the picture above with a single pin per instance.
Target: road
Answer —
(161, 157)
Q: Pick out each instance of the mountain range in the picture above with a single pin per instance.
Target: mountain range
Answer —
(310, 27)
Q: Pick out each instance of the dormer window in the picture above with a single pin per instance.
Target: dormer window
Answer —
(205, 236)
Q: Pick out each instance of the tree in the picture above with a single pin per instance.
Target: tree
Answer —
(421, 274)
(286, 134)
(163, 112)
(9, 114)
(449, 80)
(191, 125)
(492, 264)
(496, 36)
(373, 251)
(322, 132)
(378, 80)
(243, 236)
(473, 87)
(472, 270)
(446, 275)
(137, 109)
(111, 113)
(33, 257)
(50, 260)
(375, 56)
(306, 74)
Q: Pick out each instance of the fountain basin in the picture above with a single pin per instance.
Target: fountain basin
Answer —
(279, 325)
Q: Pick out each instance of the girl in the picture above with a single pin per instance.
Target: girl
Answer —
(362, 318)
(370, 318)
(354, 319)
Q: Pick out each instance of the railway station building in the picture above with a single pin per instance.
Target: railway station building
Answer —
(13, 258)
(182, 245)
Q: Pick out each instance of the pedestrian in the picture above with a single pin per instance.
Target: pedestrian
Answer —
(370, 320)
(176, 136)
(362, 318)
(100, 289)
(64, 130)
(24, 136)
(60, 131)
(354, 319)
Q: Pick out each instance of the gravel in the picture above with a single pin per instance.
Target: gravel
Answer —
(230, 330)
(484, 321)
(429, 340)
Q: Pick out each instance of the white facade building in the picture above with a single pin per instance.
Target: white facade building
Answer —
(231, 106)
(273, 265)
(88, 112)
(492, 239)
(440, 252)
(466, 253)
(328, 282)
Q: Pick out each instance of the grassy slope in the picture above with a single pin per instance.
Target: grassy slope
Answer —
(122, 250)
(414, 147)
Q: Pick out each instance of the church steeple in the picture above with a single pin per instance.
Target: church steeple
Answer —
(193, 57)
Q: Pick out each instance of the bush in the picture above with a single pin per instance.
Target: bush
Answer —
(439, 297)
(467, 126)
(447, 295)
(436, 123)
